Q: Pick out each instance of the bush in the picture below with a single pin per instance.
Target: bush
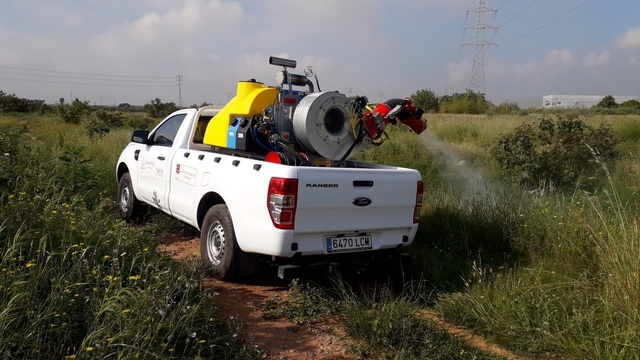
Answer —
(555, 153)
(75, 112)
(469, 102)
(103, 121)
(506, 108)
(158, 109)
(138, 121)
(9, 144)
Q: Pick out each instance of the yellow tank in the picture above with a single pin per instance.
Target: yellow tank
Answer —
(251, 98)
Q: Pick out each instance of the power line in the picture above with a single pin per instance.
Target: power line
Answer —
(502, 4)
(520, 13)
(547, 24)
(80, 77)
(88, 74)
(211, 85)
(83, 83)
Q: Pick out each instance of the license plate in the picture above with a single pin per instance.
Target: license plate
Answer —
(348, 243)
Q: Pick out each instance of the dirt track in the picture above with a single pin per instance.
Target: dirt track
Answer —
(281, 339)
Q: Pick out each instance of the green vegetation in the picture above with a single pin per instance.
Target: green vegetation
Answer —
(379, 324)
(543, 271)
(78, 283)
(11, 103)
(305, 304)
(555, 153)
(469, 102)
(157, 109)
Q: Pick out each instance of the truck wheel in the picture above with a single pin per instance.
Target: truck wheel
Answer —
(218, 247)
(129, 206)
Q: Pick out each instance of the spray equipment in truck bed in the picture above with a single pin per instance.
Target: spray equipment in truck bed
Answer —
(293, 124)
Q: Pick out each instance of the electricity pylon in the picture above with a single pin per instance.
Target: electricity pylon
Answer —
(479, 43)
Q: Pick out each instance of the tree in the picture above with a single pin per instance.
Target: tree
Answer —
(631, 104)
(13, 103)
(608, 102)
(426, 100)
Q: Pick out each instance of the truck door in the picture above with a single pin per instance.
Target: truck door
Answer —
(154, 162)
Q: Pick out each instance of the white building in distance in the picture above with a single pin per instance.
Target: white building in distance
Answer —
(579, 101)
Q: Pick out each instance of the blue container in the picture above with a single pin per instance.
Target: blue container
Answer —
(232, 133)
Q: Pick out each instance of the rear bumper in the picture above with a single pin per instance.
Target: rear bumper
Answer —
(288, 244)
(382, 262)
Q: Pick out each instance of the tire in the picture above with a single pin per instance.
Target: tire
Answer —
(129, 206)
(221, 255)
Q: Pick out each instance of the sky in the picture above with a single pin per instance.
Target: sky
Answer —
(194, 51)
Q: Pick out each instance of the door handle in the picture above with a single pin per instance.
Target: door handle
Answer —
(161, 157)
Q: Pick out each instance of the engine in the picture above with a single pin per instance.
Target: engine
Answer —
(294, 124)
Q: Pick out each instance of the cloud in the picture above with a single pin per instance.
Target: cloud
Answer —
(459, 71)
(439, 3)
(630, 40)
(73, 19)
(595, 60)
(158, 32)
(560, 58)
(29, 50)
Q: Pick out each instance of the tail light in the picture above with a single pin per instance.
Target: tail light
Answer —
(418, 209)
(282, 202)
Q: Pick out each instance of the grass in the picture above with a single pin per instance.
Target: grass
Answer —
(543, 273)
(568, 286)
(378, 323)
(76, 281)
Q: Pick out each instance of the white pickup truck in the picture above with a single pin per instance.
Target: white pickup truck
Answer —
(252, 204)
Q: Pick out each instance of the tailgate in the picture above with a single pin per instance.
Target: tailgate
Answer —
(336, 200)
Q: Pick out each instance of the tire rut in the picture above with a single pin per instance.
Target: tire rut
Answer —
(281, 339)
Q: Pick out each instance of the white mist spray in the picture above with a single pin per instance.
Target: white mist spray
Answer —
(455, 170)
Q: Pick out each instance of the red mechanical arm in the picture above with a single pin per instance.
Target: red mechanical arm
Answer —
(393, 111)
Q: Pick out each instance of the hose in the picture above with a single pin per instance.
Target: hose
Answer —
(358, 140)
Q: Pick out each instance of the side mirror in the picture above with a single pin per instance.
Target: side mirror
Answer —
(140, 136)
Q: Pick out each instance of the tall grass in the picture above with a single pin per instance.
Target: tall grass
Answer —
(77, 283)
(544, 273)
(577, 293)
(571, 287)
